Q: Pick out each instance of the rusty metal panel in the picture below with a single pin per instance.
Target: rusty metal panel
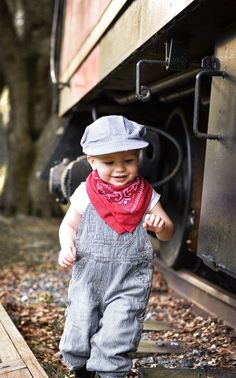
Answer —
(80, 19)
(81, 82)
(217, 232)
(140, 21)
(84, 26)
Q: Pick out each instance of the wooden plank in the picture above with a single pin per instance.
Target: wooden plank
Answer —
(7, 350)
(150, 325)
(11, 366)
(23, 373)
(171, 373)
(21, 346)
(152, 347)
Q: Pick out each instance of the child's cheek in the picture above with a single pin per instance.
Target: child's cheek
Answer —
(106, 170)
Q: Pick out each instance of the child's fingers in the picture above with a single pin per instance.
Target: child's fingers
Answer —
(66, 257)
(154, 222)
(63, 262)
(160, 227)
(149, 219)
(71, 254)
(161, 223)
(73, 249)
(157, 221)
(146, 223)
(146, 218)
(152, 219)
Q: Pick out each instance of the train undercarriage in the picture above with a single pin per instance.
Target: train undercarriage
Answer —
(180, 83)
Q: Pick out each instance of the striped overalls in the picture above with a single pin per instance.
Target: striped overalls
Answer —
(108, 295)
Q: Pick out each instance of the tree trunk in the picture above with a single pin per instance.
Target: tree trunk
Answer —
(42, 203)
(25, 65)
(20, 147)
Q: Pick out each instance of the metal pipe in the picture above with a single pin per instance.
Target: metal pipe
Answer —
(53, 46)
(196, 110)
(177, 95)
(143, 93)
(160, 86)
(53, 42)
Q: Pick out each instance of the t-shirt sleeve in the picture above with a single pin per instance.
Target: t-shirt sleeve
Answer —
(80, 199)
(154, 199)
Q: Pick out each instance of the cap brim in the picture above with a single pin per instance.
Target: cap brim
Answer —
(109, 148)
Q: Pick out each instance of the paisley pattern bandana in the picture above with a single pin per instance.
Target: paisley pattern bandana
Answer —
(121, 207)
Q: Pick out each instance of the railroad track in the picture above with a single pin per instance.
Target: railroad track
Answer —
(205, 295)
(186, 344)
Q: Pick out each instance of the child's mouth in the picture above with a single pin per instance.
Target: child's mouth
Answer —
(119, 177)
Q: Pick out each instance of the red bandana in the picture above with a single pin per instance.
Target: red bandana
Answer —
(121, 207)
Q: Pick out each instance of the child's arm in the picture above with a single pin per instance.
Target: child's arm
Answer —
(67, 234)
(159, 222)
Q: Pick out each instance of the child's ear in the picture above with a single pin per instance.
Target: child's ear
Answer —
(91, 161)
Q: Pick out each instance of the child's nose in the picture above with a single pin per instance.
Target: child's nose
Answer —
(120, 167)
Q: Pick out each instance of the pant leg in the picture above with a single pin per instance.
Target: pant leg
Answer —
(121, 326)
(81, 320)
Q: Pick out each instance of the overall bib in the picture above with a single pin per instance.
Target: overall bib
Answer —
(107, 297)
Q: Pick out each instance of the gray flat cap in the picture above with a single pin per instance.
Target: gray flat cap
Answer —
(110, 134)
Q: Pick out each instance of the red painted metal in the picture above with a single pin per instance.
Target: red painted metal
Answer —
(80, 19)
(85, 77)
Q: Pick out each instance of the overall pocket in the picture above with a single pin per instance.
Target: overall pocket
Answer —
(143, 276)
(78, 268)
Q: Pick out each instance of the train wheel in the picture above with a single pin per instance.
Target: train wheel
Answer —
(176, 194)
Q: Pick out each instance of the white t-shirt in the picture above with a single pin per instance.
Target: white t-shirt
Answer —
(80, 199)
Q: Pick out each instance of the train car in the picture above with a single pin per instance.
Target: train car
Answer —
(170, 65)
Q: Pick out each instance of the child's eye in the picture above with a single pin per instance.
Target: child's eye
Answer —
(129, 160)
(108, 162)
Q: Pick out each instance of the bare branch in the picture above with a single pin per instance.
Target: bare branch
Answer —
(10, 45)
(38, 21)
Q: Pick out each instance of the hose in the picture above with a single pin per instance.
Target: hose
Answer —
(179, 153)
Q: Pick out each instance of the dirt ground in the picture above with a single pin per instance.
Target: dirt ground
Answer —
(33, 289)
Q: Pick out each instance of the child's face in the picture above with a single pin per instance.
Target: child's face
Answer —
(117, 168)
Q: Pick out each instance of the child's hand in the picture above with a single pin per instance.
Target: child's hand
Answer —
(154, 223)
(67, 256)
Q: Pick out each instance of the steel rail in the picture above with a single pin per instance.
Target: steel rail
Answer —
(207, 296)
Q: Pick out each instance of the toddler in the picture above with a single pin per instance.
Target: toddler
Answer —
(104, 237)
